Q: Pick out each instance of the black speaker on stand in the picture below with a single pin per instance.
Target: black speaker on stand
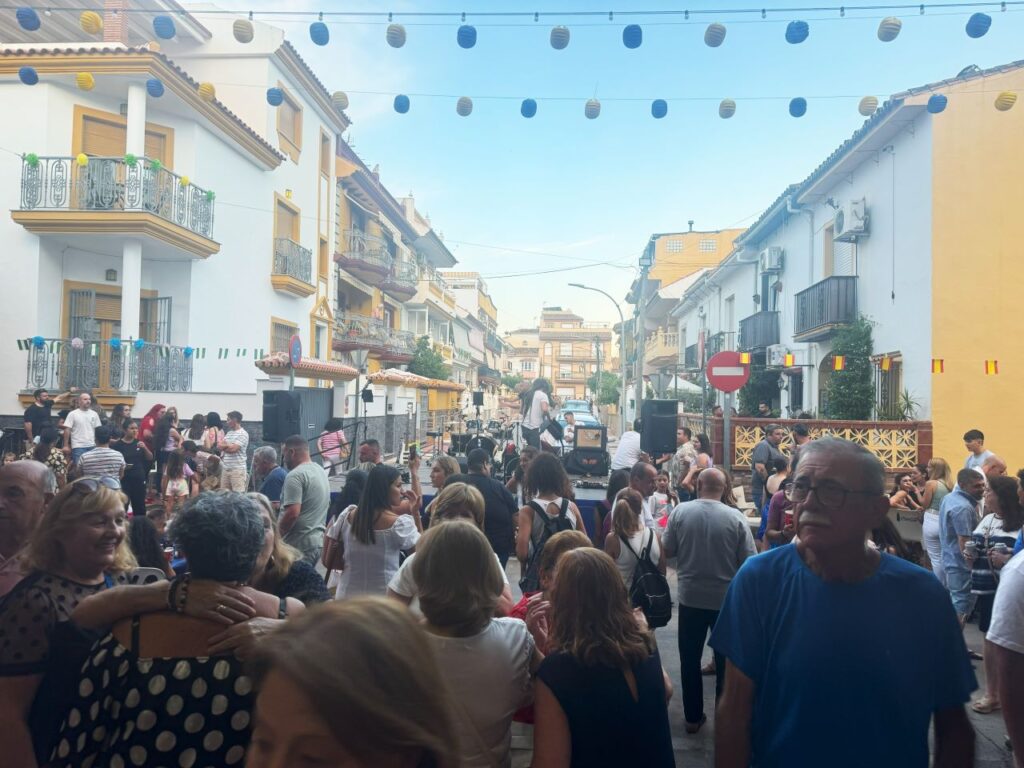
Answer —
(281, 410)
(658, 429)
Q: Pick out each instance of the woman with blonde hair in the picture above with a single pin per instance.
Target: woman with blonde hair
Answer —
(628, 539)
(487, 663)
(80, 548)
(341, 672)
(939, 483)
(603, 678)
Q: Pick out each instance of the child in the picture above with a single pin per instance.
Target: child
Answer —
(176, 484)
(10, 457)
(664, 498)
(212, 480)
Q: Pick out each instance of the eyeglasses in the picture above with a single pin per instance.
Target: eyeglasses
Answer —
(829, 494)
(87, 485)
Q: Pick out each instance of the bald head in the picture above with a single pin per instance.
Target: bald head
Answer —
(711, 484)
(25, 489)
(993, 466)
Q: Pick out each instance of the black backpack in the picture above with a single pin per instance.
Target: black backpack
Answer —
(530, 582)
(649, 590)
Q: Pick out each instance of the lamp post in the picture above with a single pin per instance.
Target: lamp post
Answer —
(622, 355)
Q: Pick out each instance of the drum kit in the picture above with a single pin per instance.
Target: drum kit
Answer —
(496, 440)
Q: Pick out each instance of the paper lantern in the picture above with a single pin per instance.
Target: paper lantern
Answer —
(91, 22)
(1006, 100)
(464, 106)
(28, 75)
(789, 360)
(207, 92)
(401, 103)
(797, 32)
(154, 88)
(131, 160)
(32, 160)
(188, 351)
(184, 181)
(659, 108)
(466, 36)
(978, 25)
(868, 105)
(632, 36)
(714, 35)
(77, 343)
(85, 81)
(115, 343)
(528, 108)
(210, 195)
(275, 96)
(560, 38)
(889, 29)
(838, 362)
(744, 358)
(82, 159)
(340, 99)
(139, 343)
(592, 109)
(163, 26)
(727, 108)
(27, 19)
(991, 366)
(937, 103)
(798, 107)
(38, 341)
(885, 363)
(243, 30)
(395, 35)
(319, 33)
(155, 165)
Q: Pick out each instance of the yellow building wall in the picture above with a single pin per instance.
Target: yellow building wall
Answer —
(442, 400)
(669, 267)
(487, 305)
(978, 196)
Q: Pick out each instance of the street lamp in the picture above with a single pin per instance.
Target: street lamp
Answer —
(622, 355)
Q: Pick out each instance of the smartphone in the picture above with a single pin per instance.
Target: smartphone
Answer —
(412, 452)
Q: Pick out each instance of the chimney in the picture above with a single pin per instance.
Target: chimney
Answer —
(115, 21)
(690, 222)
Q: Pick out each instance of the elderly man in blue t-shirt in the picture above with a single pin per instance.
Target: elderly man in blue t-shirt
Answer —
(838, 654)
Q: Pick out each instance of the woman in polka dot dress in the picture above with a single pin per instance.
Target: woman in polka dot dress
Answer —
(150, 693)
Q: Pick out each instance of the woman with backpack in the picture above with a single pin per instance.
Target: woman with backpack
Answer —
(629, 541)
(549, 511)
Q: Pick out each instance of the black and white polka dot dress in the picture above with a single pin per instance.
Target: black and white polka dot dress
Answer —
(155, 712)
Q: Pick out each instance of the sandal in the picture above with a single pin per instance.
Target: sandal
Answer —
(985, 705)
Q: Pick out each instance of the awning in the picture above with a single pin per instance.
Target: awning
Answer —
(277, 364)
(397, 377)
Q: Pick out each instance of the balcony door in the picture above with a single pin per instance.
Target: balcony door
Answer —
(105, 134)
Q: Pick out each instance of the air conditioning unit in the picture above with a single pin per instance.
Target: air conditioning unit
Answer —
(851, 222)
(776, 355)
(771, 259)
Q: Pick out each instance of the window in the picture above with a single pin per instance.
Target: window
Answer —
(527, 366)
(325, 154)
(323, 259)
(286, 219)
(281, 331)
(593, 367)
(707, 246)
(547, 349)
(888, 386)
(547, 371)
(564, 371)
(568, 325)
(565, 349)
(289, 125)
(674, 245)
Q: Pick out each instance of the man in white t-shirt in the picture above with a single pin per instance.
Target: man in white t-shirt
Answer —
(1006, 638)
(643, 479)
(80, 428)
(234, 447)
(628, 452)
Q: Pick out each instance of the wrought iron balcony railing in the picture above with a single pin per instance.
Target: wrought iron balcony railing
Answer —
(825, 305)
(353, 331)
(56, 183)
(758, 331)
(359, 246)
(293, 260)
(60, 364)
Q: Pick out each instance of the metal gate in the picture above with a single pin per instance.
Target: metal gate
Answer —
(155, 320)
(315, 408)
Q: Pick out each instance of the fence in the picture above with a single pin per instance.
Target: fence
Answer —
(58, 365)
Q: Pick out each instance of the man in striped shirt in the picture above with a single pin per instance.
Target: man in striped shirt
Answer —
(102, 461)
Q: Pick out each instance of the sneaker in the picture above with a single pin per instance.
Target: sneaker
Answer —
(694, 727)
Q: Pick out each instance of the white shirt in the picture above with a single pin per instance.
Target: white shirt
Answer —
(535, 414)
(83, 426)
(489, 676)
(628, 452)
(370, 567)
(975, 462)
(405, 585)
(626, 561)
(1007, 627)
(236, 460)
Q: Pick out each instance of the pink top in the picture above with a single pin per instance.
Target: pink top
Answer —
(330, 442)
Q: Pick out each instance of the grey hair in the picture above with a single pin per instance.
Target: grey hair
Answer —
(44, 476)
(49, 481)
(871, 467)
(265, 453)
(221, 534)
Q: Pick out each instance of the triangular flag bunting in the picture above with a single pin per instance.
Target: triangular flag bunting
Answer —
(838, 362)
(744, 358)
(222, 353)
(240, 352)
(789, 360)
(21, 344)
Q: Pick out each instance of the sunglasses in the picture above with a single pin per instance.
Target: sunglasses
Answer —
(88, 485)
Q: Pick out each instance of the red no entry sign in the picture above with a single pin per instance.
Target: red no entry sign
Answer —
(726, 373)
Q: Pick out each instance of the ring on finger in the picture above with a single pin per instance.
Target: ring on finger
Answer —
(220, 608)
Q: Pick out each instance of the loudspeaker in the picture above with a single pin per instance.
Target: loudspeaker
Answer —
(478, 398)
(587, 461)
(658, 435)
(280, 415)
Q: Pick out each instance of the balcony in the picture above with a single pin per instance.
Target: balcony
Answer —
(120, 196)
(690, 361)
(400, 284)
(293, 268)
(492, 341)
(489, 377)
(717, 342)
(364, 256)
(356, 332)
(662, 348)
(824, 307)
(758, 331)
(60, 364)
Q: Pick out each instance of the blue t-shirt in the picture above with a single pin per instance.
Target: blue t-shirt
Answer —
(1020, 543)
(957, 517)
(273, 483)
(845, 674)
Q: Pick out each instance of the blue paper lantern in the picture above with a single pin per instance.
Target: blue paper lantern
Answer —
(163, 26)
(188, 351)
(714, 35)
(401, 103)
(560, 38)
(659, 108)
(592, 109)
(978, 25)
(27, 18)
(466, 36)
(140, 343)
(528, 108)
(319, 33)
(38, 342)
(464, 106)
(275, 96)
(797, 32)
(798, 107)
(28, 75)
(632, 36)
(154, 88)
(395, 35)
(937, 103)
(115, 343)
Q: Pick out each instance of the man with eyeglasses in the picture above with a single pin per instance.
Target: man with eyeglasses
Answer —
(838, 654)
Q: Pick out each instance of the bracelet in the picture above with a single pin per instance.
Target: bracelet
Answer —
(181, 595)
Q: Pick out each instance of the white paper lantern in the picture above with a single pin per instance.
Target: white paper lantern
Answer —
(593, 109)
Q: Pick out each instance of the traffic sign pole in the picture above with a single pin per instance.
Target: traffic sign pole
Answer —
(727, 374)
(727, 432)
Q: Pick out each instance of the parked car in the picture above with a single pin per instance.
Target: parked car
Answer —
(577, 406)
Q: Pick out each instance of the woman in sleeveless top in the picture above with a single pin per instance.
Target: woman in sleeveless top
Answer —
(549, 486)
(628, 537)
(935, 489)
(151, 693)
(702, 444)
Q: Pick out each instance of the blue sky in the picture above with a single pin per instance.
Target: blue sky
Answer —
(580, 192)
